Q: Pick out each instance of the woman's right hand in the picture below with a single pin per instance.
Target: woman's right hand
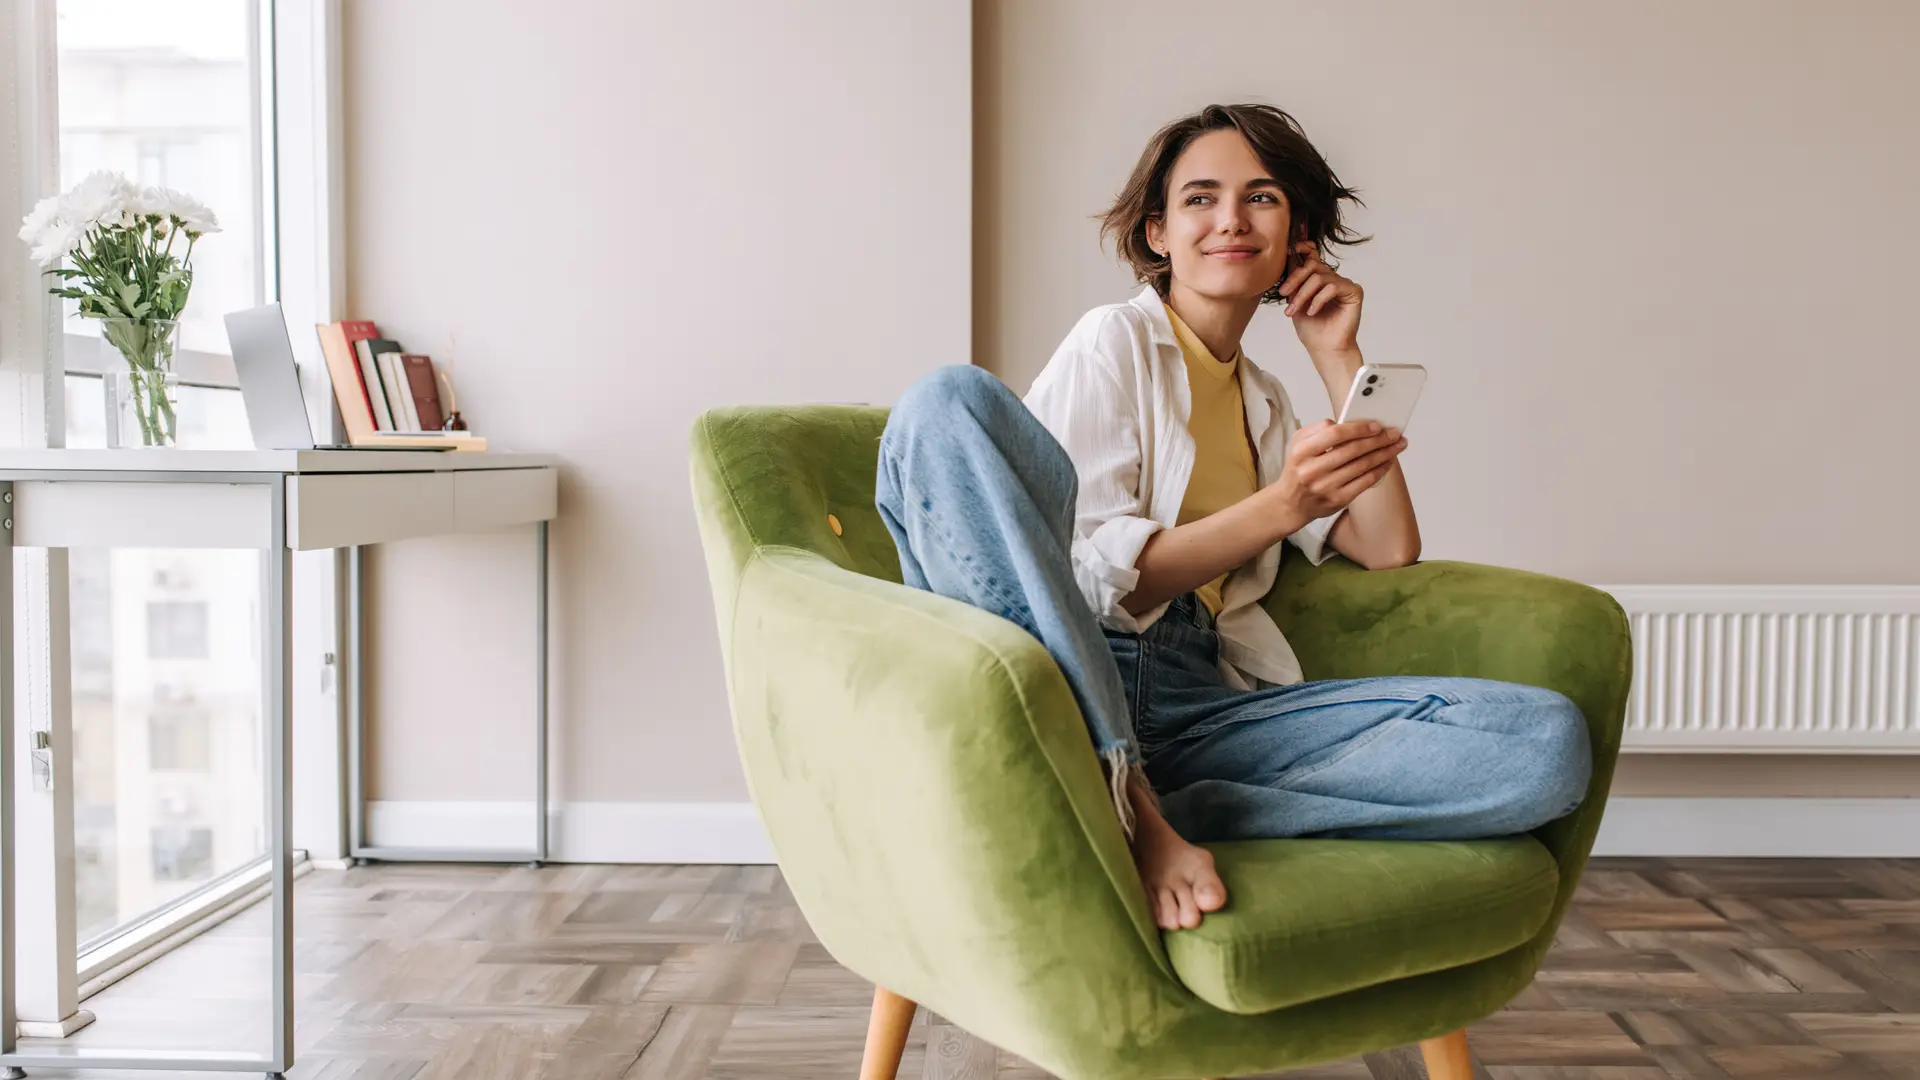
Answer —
(1329, 465)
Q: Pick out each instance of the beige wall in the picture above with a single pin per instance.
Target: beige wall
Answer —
(1642, 250)
(629, 212)
(1659, 259)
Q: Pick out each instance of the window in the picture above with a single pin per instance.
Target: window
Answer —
(90, 610)
(162, 91)
(179, 740)
(177, 629)
(232, 101)
(182, 854)
(166, 723)
(165, 642)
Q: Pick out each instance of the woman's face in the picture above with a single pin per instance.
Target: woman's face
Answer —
(1227, 221)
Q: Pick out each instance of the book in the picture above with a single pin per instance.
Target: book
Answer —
(402, 394)
(360, 330)
(382, 349)
(429, 440)
(426, 440)
(370, 378)
(356, 407)
(426, 390)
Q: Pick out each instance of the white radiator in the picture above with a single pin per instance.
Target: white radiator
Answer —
(1832, 669)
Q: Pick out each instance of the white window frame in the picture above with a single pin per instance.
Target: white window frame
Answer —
(295, 64)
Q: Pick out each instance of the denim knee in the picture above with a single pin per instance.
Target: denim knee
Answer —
(1563, 764)
(956, 388)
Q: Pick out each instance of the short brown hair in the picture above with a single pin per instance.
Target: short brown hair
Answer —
(1314, 193)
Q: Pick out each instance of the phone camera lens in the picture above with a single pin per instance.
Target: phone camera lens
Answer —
(1373, 378)
(1366, 391)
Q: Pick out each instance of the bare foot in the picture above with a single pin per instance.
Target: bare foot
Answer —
(1181, 882)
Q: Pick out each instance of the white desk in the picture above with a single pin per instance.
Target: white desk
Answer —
(277, 502)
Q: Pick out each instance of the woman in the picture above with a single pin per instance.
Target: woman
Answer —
(1130, 513)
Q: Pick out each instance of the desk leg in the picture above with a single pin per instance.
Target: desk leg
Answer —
(278, 649)
(9, 1031)
(540, 691)
(355, 687)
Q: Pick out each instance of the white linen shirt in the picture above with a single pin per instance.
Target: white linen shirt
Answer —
(1115, 395)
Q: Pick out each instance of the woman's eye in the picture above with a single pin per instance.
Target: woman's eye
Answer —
(1267, 195)
(1199, 200)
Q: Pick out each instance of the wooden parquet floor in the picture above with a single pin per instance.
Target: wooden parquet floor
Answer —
(1665, 969)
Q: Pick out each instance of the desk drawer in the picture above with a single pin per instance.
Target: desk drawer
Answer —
(367, 508)
(93, 513)
(486, 499)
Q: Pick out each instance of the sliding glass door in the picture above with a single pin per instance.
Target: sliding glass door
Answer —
(167, 743)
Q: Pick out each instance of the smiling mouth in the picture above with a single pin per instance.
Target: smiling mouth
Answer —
(1233, 254)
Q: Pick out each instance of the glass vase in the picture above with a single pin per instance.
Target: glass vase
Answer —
(142, 390)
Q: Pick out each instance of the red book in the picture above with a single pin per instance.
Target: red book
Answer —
(360, 330)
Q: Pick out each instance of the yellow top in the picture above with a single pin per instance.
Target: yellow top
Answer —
(1223, 467)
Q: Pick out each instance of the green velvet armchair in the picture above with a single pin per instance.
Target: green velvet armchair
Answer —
(938, 811)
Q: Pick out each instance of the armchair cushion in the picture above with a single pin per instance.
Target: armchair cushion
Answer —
(1313, 918)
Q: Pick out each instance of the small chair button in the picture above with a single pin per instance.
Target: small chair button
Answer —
(834, 524)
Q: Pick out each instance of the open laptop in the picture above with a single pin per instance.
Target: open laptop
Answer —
(270, 384)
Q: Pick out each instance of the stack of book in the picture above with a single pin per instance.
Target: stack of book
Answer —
(388, 396)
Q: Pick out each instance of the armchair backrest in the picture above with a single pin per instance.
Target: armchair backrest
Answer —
(784, 472)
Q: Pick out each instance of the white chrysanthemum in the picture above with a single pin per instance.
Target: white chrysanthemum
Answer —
(195, 216)
(100, 199)
(44, 214)
(104, 200)
(168, 205)
(148, 201)
(56, 241)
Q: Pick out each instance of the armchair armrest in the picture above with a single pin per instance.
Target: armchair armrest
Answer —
(1452, 618)
(938, 810)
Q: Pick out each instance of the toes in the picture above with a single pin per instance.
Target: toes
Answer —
(1189, 913)
(1209, 893)
(1167, 910)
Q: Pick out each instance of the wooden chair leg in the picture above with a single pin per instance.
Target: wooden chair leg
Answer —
(886, 1035)
(1447, 1057)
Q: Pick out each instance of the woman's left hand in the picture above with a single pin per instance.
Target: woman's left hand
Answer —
(1324, 307)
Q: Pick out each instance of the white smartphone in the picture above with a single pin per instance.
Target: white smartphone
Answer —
(1386, 393)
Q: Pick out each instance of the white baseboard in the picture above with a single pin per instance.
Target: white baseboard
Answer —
(1761, 827)
(605, 832)
(580, 832)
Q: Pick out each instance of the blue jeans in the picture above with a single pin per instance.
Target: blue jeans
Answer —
(980, 498)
